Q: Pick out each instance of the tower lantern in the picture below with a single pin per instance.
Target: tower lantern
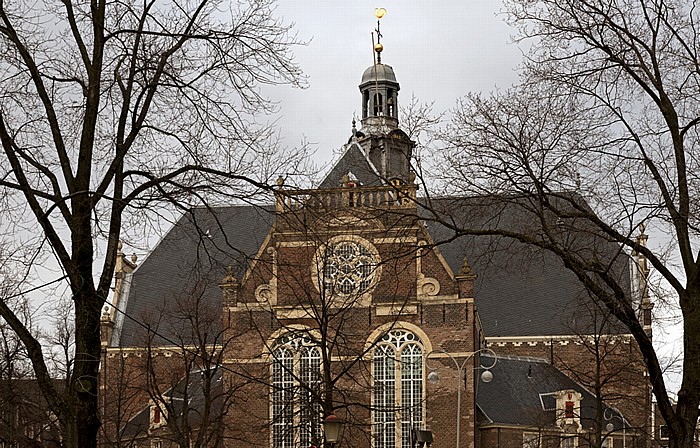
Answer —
(386, 145)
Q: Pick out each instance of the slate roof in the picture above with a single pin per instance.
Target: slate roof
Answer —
(183, 272)
(355, 161)
(520, 290)
(521, 393)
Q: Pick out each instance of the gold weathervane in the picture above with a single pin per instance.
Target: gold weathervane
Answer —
(379, 13)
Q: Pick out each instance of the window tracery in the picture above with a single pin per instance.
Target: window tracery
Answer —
(398, 388)
(296, 380)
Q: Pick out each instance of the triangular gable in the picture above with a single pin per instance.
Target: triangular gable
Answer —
(353, 160)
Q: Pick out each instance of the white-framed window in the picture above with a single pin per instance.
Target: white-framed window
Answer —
(296, 380)
(607, 442)
(568, 441)
(156, 443)
(398, 388)
(531, 440)
(347, 267)
(158, 414)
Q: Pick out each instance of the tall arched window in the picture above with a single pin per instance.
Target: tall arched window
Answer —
(398, 388)
(296, 382)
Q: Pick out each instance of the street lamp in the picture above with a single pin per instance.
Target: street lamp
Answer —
(486, 376)
(331, 430)
(610, 427)
(422, 438)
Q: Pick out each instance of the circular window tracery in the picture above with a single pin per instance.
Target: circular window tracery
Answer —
(348, 267)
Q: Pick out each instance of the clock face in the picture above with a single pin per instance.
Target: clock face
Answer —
(349, 267)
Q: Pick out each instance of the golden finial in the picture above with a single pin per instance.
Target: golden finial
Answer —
(379, 13)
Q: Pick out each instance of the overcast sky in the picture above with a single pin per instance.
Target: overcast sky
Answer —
(440, 51)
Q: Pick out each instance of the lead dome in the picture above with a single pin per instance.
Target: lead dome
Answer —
(383, 73)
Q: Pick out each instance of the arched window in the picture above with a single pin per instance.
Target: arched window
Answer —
(296, 382)
(398, 388)
(378, 105)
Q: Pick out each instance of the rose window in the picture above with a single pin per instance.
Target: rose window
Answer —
(348, 267)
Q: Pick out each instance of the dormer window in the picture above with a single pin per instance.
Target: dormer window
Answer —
(568, 409)
(157, 415)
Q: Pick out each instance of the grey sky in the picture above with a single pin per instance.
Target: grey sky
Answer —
(440, 50)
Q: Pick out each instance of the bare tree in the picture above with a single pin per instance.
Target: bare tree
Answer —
(599, 139)
(177, 371)
(189, 394)
(611, 367)
(24, 416)
(110, 107)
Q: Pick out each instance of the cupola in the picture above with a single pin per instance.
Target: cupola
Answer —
(385, 144)
(380, 92)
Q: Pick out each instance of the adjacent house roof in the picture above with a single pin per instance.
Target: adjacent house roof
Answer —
(522, 393)
(191, 390)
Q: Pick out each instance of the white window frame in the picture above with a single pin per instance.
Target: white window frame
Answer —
(529, 438)
(398, 376)
(295, 363)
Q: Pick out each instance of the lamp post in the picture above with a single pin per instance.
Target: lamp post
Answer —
(610, 427)
(421, 438)
(486, 376)
(331, 430)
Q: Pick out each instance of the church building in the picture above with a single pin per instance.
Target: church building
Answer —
(355, 302)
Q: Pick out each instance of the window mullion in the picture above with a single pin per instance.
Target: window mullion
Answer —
(398, 414)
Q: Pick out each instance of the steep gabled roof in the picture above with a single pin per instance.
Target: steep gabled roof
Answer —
(353, 160)
(185, 268)
(520, 290)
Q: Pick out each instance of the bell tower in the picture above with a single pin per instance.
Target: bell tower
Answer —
(386, 145)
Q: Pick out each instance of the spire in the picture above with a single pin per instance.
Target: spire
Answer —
(388, 148)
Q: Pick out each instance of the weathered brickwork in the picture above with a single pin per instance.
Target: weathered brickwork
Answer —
(437, 309)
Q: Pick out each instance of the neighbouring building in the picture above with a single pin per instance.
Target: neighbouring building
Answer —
(248, 325)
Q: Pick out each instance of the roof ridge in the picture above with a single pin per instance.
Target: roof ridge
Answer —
(519, 358)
